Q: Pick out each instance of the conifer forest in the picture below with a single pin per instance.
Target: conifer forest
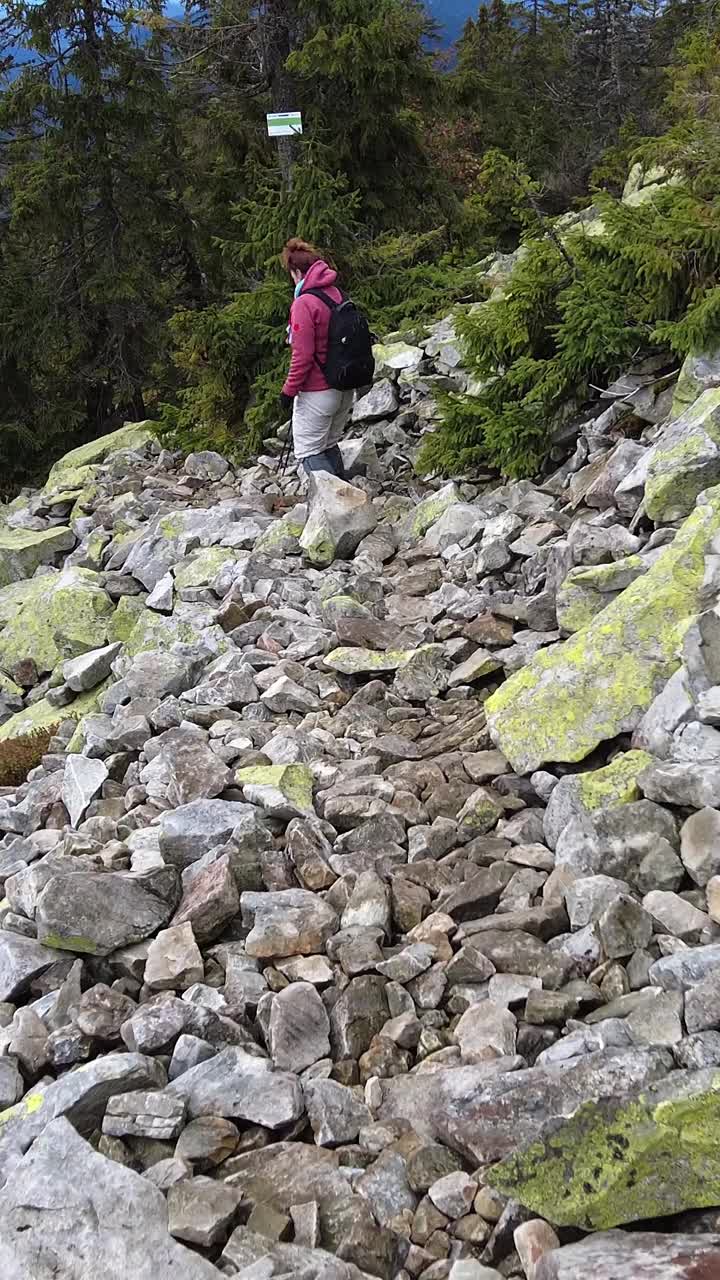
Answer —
(143, 206)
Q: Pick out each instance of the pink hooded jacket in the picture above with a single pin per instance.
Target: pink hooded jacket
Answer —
(309, 324)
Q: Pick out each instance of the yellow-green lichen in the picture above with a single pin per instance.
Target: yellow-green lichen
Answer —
(131, 436)
(685, 460)
(597, 684)
(41, 715)
(73, 942)
(65, 615)
(293, 781)
(354, 661)
(202, 567)
(618, 1161)
(431, 509)
(614, 785)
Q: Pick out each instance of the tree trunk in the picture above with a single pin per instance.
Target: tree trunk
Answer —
(278, 24)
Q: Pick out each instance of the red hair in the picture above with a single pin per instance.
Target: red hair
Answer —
(298, 255)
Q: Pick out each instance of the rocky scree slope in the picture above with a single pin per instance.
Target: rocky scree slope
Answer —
(363, 916)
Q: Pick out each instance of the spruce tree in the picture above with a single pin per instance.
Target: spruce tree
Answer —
(97, 245)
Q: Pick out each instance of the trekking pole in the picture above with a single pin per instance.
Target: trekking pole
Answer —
(285, 455)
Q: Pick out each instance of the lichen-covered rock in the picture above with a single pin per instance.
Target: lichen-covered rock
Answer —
(429, 510)
(67, 614)
(391, 357)
(582, 793)
(685, 460)
(597, 684)
(588, 589)
(699, 372)
(612, 1162)
(22, 550)
(339, 517)
(134, 435)
(43, 715)
(283, 790)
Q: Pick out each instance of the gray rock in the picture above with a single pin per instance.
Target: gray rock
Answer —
(95, 913)
(484, 1112)
(335, 1113)
(207, 1142)
(692, 785)
(624, 927)
(12, 1085)
(206, 465)
(90, 669)
(174, 961)
(610, 1255)
(202, 1211)
(380, 402)
(685, 969)
(299, 1027)
(192, 830)
(484, 1029)
(144, 1115)
(672, 914)
(82, 782)
(70, 1212)
(184, 769)
(81, 1096)
(289, 922)
(240, 1086)
(357, 1015)
(101, 1012)
(210, 901)
(21, 961)
(587, 897)
(700, 845)
(339, 517)
(623, 843)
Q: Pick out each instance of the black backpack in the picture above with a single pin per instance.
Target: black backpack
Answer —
(350, 363)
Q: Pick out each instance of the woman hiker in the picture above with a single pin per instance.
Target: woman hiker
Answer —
(320, 413)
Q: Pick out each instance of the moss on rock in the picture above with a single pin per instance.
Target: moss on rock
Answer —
(596, 685)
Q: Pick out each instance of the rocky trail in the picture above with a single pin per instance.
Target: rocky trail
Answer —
(362, 917)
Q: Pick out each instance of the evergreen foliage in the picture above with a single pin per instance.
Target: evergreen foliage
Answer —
(142, 206)
(580, 309)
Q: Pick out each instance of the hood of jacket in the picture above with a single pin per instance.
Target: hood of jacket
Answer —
(319, 276)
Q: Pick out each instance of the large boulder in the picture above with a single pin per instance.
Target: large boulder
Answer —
(94, 913)
(685, 460)
(65, 615)
(71, 1212)
(486, 1112)
(133, 435)
(618, 1161)
(339, 517)
(81, 1096)
(23, 550)
(573, 696)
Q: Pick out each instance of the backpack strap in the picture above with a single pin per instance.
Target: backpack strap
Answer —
(318, 293)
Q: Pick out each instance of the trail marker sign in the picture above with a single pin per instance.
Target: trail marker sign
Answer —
(284, 124)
